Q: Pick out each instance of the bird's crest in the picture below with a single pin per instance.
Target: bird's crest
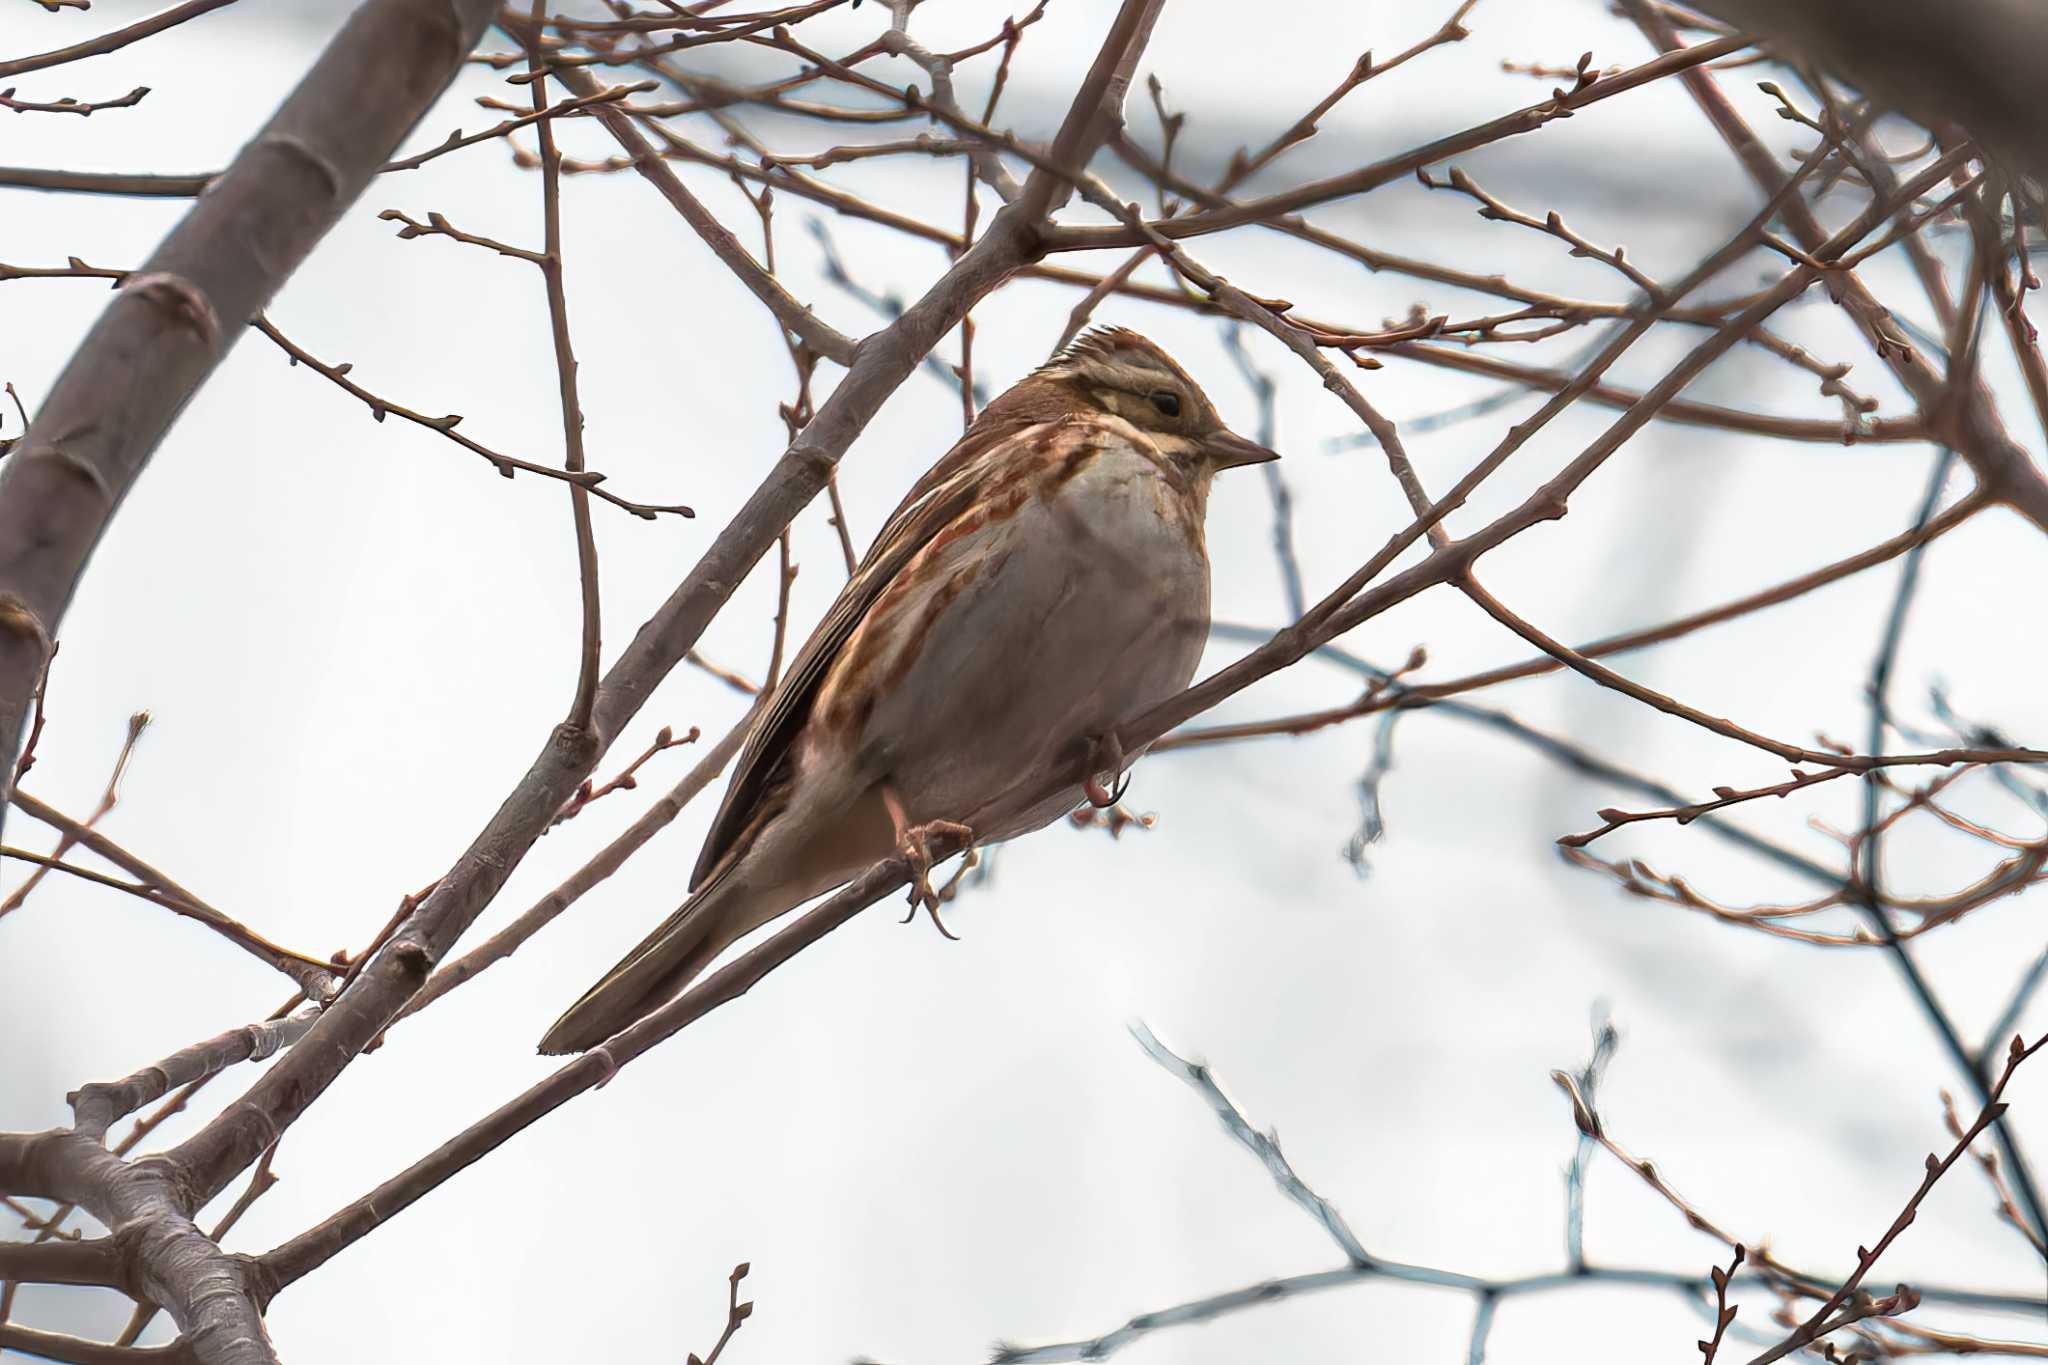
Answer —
(1111, 345)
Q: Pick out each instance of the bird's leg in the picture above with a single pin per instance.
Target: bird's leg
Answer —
(1105, 754)
(914, 843)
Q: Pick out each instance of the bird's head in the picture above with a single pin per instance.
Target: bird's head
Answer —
(1116, 371)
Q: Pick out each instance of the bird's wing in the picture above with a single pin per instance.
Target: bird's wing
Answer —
(949, 488)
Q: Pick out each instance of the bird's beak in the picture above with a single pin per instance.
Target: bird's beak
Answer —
(1227, 450)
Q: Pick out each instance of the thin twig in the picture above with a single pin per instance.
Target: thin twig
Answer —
(110, 795)
(315, 976)
(506, 465)
(1819, 1324)
(113, 42)
(67, 105)
(590, 656)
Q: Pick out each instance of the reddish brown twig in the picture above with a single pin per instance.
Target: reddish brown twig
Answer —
(737, 681)
(2010, 877)
(628, 778)
(736, 1313)
(114, 41)
(313, 975)
(1580, 72)
(35, 731)
(1306, 723)
(507, 465)
(565, 62)
(1820, 1324)
(1607, 677)
(1724, 1312)
(1285, 202)
(458, 139)
(1242, 166)
(1551, 223)
(1921, 1340)
(589, 657)
(1588, 1121)
(67, 105)
(1423, 693)
(110, 796)
(2008, 1208)
(1685, 815)
(437, 225)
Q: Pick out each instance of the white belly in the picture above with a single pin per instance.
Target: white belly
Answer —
(1088, 608)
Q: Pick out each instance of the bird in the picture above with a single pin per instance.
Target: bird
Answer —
(1044, 582)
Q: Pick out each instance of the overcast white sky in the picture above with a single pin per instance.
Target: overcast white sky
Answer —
(353, 637)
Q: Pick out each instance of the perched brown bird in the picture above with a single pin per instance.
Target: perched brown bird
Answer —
(1043, 583)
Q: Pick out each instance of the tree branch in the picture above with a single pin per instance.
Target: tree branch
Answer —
(175, 319)
(881, 363)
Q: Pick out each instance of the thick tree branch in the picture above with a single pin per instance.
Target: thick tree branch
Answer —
(165, 1256)
(98, 1106)
(608, 860)
(174, 319)
(91, 1261)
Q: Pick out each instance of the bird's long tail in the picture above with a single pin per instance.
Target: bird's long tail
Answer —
(721, 913)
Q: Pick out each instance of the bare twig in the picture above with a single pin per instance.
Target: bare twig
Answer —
(628, 779)
(233, 1140)
(458, 139)
(110, 796)
(2008, 1209)
(115, 41)
(187, 305)
(1820, 1324)
(313, 975)
(607, 861)
(815, 332)
(67, 105)
(590, 655)
(506, 465)
(736, 1313)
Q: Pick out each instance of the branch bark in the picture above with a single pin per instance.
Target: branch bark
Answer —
(79, 1351)
(1976, 63)
(2001, 465)
(112, 42)
(314, 977)
(211, 1157)
(175, 319)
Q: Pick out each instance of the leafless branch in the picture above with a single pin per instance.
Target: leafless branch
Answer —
(187, 304)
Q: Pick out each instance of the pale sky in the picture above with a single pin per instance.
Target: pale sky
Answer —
(353, 636)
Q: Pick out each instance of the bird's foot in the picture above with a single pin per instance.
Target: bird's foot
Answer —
(914, 843)
(1105, 754)
(1116, 819)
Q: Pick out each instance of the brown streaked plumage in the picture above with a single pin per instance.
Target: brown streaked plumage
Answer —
(1043, 582)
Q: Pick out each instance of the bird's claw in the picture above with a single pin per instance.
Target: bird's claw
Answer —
(914, 843)
(1106, 754)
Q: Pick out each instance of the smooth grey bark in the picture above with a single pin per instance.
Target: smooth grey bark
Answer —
(177, 316)
(149, 352)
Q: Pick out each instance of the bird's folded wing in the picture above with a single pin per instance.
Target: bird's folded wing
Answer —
(949, 489)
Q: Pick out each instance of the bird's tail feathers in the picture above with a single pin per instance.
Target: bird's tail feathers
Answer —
(667, 960)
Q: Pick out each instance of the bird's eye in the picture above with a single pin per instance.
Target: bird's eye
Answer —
(1167, 403)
